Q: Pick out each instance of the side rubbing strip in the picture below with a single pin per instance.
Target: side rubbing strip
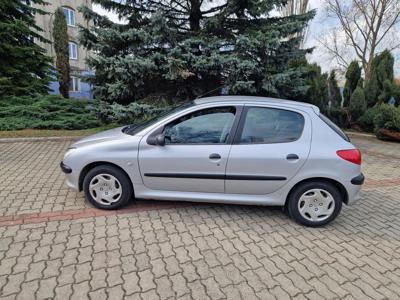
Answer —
(215, 176)
(186, 175)
(254, 177)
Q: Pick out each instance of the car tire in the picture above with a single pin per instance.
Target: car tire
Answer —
(107, 187)
(315, 203)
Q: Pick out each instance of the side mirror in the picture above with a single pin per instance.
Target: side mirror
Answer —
(160, 139)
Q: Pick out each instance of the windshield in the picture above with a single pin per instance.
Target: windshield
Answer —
(136, 127)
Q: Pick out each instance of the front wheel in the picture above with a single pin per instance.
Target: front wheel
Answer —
(107, 187)
(315, 203)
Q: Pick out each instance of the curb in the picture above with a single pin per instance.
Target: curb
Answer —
(360, 134)
(40, 139)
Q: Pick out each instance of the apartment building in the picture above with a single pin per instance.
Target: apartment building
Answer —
(77, 54)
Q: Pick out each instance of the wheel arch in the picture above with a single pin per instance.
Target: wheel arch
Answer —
(92, 165)
(342, 190)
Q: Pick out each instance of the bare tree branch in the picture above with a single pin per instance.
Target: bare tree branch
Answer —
(332, 46)
(366, 24)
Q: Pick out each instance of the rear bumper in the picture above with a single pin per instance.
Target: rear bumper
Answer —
(358, 180)
(353, 189)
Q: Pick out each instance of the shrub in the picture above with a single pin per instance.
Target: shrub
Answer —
(367, 119)
(338, 116)
(358, 104)
(45, 112)
(387, 117)
(125, 114)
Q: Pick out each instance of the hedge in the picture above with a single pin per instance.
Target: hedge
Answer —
(45, 112)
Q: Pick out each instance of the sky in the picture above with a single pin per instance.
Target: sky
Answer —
(318, 27)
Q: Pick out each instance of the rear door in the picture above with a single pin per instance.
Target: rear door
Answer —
(271, 145)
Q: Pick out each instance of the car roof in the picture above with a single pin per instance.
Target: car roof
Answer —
(253, 99)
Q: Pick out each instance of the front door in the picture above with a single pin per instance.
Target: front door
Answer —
(270, 147)
(195, 153)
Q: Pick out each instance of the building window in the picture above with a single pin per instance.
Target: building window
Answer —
(74, 84)
(73, 50)
(69, 16)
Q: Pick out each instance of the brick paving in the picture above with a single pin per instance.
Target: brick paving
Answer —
(54, 245)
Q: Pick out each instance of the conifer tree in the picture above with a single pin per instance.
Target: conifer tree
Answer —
(60, 37)
(353, 76)
(24, 67)
(382, 76)
(182, 49)
(358, 105)
(335, 97)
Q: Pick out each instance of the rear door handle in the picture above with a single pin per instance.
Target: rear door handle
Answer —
(292, 156)
(215, 156)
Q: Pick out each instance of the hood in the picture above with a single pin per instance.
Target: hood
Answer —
(104, 136)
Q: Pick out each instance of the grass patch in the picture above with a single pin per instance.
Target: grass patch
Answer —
(52, 133)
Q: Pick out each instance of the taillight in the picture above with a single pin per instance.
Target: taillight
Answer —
(351, 155)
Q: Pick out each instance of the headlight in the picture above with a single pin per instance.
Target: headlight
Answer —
(69, 151)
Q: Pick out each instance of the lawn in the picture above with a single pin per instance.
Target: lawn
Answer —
(51, 133)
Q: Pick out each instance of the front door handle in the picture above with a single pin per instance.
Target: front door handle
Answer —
(214, 156)
(292, 156)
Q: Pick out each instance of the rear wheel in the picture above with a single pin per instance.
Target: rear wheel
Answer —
(315, 203)
(107, 187)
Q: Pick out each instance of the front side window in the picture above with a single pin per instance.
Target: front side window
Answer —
(73, 50)
(69, 16)
(208, 126)
(74, 84)
(270, 125)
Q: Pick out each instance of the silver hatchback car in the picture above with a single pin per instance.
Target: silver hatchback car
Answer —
(231, 149)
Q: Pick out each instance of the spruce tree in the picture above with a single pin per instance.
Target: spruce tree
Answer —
(335, 97)
(182, 49)
(24, 67)
(60, 37)
(353, 76)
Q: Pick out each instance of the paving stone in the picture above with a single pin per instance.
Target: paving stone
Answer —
(189, 251)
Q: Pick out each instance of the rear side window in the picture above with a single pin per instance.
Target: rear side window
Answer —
(334, 127)
(264, 125)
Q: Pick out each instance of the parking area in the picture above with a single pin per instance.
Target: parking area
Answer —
(55, 245)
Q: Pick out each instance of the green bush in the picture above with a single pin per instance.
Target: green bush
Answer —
(125, 114)
(358, 104)
(338, 116)
(45, 112)
(387, 117)
(367, 119)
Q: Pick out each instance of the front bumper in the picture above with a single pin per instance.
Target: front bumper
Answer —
(71, 176)
(65, 168)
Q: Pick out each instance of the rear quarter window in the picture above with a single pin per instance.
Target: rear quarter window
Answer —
(334, 127)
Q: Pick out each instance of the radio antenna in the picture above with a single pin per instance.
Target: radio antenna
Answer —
(209, 92)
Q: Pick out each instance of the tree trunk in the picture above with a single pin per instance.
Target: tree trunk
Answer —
(195, 15)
